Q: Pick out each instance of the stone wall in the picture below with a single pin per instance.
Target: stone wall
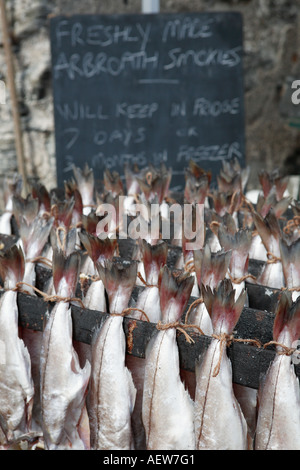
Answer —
(271, 61)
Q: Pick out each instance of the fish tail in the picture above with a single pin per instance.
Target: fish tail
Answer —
(290, 259)
(211, 267)
(154, 258)
(175, 292)
(112, 182)
(12, 266)
(39, 191)
(119, 281)
(84, 178)
(35, 235)
(222, 307)
(25, 208)
(239, 243)
(287, 316)
(65, 272)
(267, 227)
(99, 250)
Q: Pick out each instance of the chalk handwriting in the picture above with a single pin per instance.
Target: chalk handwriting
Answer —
(92, 64)
(77, 34)
(209, 152)
(204, 107)
(203, 57)
(192, 28)
(123, 136)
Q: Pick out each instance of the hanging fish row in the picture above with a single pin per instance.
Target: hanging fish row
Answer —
(66, 394)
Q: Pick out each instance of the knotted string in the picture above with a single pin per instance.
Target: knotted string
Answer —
(139, 275)
(239, 280)
(179, 326)
(272, 258)
(47, 297)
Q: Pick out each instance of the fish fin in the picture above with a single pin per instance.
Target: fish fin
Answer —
(12, 266)
(131, 174)
(34, 235)
(154, 258)
(62, 211)
(64, 239)
(39, 191)
(211, 267)
(27, 208)
(99, 250)
(239, 243)
(290, 260)
(267, 227)
(90, 222)
(119, 280)
(85, 180)
(175, 292)
(65, 272)
(287, 315)
(112, 182)
(222, 307)
(72, 192)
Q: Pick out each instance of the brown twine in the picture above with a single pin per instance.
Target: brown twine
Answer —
(290, 289)
(189, 266)
(193, 304)
(212, 226)
(226, 340)
(272, 258)
(63, 243)
(181, 327)
(239, 280)
(286, 350)
(40, 259)
(127, 310)
(149, 178)
(139, 275)
(47, 297)
(291, 224)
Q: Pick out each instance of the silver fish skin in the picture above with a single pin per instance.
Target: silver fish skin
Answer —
(111, 392)
(63, 382)
(270, 233)
(216, 408)
(16, 384)
(278, 421)
(154, 257)
(168, 410)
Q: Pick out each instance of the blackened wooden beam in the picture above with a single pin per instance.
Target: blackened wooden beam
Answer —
(249, 362)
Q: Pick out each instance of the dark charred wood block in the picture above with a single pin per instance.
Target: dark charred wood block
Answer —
(249, 362)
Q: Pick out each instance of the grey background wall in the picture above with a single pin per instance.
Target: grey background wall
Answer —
(271, 62)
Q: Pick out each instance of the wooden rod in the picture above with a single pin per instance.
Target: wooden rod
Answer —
(13, 94)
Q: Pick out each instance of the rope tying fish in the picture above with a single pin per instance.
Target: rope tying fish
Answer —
(226, 340)
(181, 327)
(145, 282)
(193, 305)
(272, 258)
(287, 351)
(239, 280)
(292, 224)
(47, 297)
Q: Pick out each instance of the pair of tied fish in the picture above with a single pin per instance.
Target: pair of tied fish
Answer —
(172, 420)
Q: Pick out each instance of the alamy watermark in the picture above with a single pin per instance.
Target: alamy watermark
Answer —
(148, 222)
(296, 353)
(296, 94)
(2, 92)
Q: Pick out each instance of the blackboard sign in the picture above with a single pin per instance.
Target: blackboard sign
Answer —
(147, 88)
